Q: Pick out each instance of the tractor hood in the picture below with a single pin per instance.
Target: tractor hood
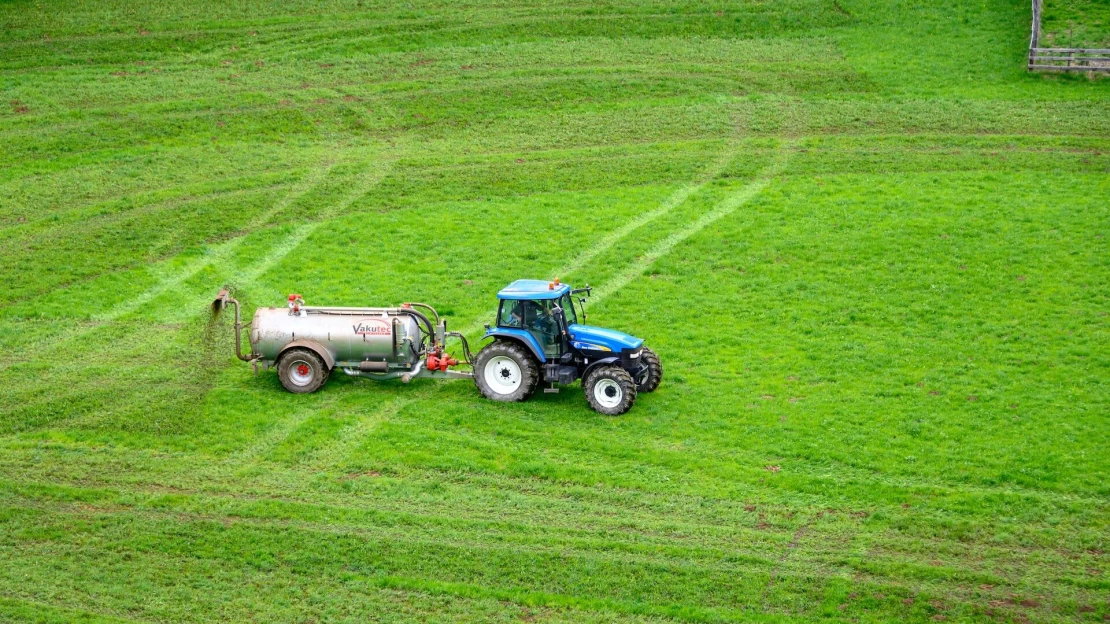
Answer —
(586, 335)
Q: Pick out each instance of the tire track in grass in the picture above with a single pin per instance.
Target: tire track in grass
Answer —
(280, 432)
(197, 304)
(178, 277)
(726, 207)
(782, 565)
(677, 198)
(329, 456)
(370, 179)
(277, 252)
(56, 612)
(62, 234)
(222, 252)
(114, 208)
(674, 200)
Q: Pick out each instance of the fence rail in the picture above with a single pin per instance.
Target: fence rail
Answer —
(1070, 59)
(1063, 59)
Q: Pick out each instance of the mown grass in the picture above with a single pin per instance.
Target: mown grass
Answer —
(869, 247)
(1076, 23)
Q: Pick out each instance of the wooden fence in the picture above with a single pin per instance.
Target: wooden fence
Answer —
(1069, 59)
(1063, 59)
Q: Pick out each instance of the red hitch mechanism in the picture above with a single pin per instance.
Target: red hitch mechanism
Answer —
(440, 362)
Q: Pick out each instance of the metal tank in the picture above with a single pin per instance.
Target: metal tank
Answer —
(305, 343)
(373, 338)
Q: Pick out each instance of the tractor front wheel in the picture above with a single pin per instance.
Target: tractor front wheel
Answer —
(506, 371)
(654, 371)
(610, 390)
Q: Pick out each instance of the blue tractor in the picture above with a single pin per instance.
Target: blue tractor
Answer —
(538, 338)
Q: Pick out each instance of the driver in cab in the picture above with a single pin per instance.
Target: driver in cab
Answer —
(535, 316)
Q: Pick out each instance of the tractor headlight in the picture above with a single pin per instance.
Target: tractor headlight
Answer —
(635, 355)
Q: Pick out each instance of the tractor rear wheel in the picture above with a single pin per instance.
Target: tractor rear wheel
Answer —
(506, 371)
(655, 371)
(610, 390)
(301, 371)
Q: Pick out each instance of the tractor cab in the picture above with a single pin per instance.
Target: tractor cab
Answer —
(539, 335)
(528, 309)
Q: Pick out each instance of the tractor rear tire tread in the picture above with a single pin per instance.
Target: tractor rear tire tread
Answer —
(529, 370)
(655, 370)
(622, 379)
(286, 368)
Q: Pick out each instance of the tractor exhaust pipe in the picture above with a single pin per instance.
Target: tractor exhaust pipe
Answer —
(222, 300)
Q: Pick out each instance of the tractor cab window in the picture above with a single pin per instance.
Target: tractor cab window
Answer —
(537, 318)
(511, 314)
(566, 302)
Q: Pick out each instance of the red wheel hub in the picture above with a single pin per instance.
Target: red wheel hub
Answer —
(302, 369)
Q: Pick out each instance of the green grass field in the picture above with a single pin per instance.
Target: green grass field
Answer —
(1076, 23)
(870, 249)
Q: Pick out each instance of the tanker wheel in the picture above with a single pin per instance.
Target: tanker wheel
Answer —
(654, 371)
(610, 390)
(301, 371)
(506, 371)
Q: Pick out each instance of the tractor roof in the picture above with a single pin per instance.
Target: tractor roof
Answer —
(533, 289)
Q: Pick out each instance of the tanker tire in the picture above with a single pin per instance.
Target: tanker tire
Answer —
(301, 371)
(514, 374)
(655, 371)
(610, 390)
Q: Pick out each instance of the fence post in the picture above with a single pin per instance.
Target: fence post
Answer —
(1035, 37)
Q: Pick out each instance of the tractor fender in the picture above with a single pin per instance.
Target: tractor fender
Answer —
(313, 346)
(605, 361)
(521, 336)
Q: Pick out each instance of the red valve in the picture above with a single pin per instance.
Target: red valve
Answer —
(440, 362)
(295, 302)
